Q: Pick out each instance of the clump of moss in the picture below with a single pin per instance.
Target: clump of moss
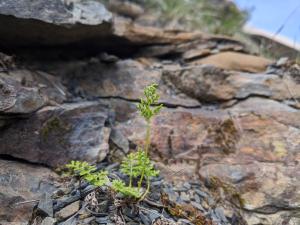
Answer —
(53, 124)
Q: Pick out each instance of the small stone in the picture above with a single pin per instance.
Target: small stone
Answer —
(48, 221)
(201, 193)
(102, 220)
(220, 214)
(173, 196)
(129, 212)
(197, 198)
(185, 197)
(156, 183)
(210, 200)
(205, 205)
(68, 210)
(153, 215)
(180, 189)
(282, 61)
(187, 185)
(198, 206)
(46, 205)
(70, 221)
(145, 219)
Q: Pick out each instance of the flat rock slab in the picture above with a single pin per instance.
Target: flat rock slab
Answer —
(24, 91)
(55, 135)
(124, 79)
(236, 61)
(68, 211)
(43, 22)
(208, 83)
(22, 182)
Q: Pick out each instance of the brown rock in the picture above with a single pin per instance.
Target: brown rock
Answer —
(236, 61)
(196, 54)
(125, 8)
(21, 182)
(263, 165)
(68, 211)
(55, 135)
(208, 83)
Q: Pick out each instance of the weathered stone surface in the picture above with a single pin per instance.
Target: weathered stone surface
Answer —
(125, 79)
(208, 83)
(21, 182)
(48, 221)
(68, 211)
(77, 25)
(55, 135)
(42, 22)
(24, 91)
(263, 165)
(236, 61)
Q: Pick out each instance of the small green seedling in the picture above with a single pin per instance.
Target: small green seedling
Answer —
(135, 165)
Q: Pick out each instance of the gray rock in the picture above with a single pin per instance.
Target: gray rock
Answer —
(102, 220)
(119, 140)
(24, 91)
(68, 211)
(282, 61)
(48, 221)
(145, 219)
(187, 185)
(71, 221)
(220, 214)
(56, 135)
(201, 193)
(21, 182)
(46, 205)
(197, 198)
(198, 206)
(153, 215)
(185, 197)
(44, 22)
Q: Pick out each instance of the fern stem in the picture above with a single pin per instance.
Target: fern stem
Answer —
(141, 179)
(147, 138)
(130, 176)
(147, 144)
(147, 190)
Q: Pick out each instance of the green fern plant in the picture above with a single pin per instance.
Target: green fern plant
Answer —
(135, 165)
(87, 172)
(120, 187)
(148, 111)
(138, 164)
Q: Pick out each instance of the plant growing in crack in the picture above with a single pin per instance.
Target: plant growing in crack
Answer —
(137, 165)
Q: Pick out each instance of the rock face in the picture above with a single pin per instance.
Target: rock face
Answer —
(43, 23)
(56, 135)
(24, 91)
(230, 116)
(22, 182)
